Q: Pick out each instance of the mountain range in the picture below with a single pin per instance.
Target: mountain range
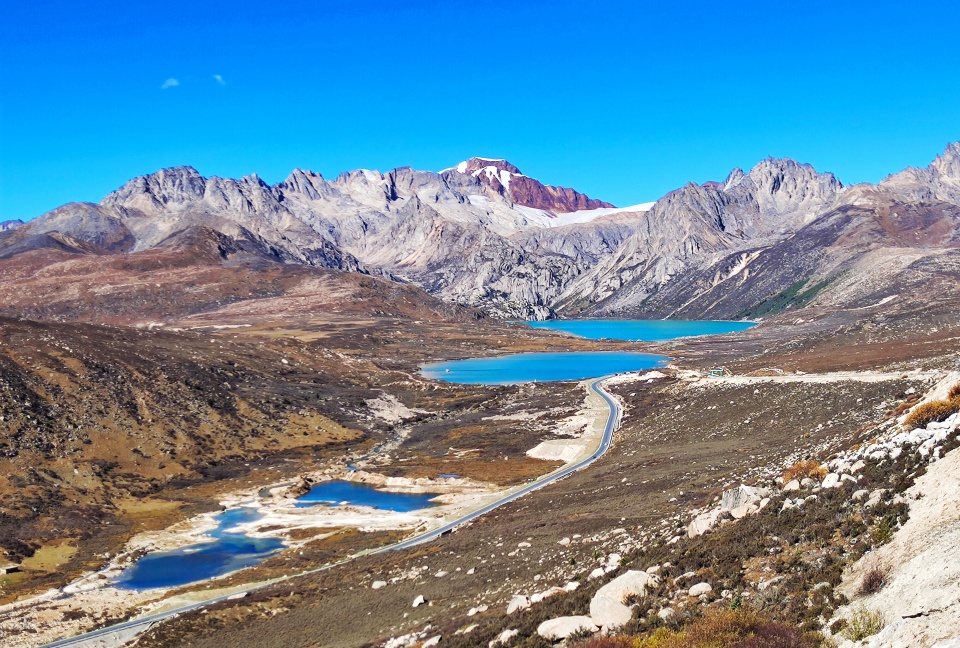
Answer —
(482, 234)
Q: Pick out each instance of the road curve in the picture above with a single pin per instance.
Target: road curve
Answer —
(613, 421)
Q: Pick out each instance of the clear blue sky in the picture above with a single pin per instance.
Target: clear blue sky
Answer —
(621, 100)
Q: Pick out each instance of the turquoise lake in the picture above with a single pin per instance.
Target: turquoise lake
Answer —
(230, 551)
(641, 330)
(530, 367)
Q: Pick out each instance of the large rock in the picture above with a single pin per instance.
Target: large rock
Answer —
(704, 522)
(741, 496)
(607, 608)
(517, 603)
(563, 627)
(504, 638)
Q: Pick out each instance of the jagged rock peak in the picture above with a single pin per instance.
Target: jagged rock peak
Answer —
(477, 164)
(173, 184)
(507, 180)
(10, 224)
(947, 164)
(786, 168)
(938, 181)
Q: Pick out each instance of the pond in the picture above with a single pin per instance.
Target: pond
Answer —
(231, 550)
(344, 492)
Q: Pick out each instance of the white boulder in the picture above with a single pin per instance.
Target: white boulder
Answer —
(699, 589)
(832, 480)
(518, 603)
(607, 608)
(666, 613)
(504, 638)
(417, 602)
(563, 627)
(703, 523)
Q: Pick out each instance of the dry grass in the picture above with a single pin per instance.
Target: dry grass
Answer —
(933, 411)
(863, 623)
(803, 469)
(730, 629)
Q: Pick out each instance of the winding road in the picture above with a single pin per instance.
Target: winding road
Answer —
(141, 624)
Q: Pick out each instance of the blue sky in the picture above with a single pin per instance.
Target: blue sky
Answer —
(622, 100)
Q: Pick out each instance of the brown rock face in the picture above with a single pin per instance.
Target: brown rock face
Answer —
(506, 179)
(530, 192)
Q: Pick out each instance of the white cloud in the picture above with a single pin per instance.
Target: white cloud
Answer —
(169, 83)
(219, 79)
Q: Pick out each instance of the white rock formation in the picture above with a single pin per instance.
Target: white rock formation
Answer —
(563, 627)
(607, 608)
(518, 603)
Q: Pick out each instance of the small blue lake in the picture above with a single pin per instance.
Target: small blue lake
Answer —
(530, 367)
(641, 330)
(230, 550)
(337, 492)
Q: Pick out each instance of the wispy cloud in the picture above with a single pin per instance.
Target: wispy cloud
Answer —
(169, 83)
(219, 79)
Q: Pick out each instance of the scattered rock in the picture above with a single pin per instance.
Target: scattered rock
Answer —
(699, 589)
(432, 641)
(792, 485)
(420, 600)
(477, 610)
(378, 584)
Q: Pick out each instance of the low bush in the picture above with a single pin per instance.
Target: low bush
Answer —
(874, 580)
(726, 628)
(934, 411)
(803, 469)
(863, 623)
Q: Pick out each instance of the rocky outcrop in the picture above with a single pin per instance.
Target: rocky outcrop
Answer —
(6, 226)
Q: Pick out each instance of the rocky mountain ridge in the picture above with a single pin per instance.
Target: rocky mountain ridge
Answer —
(482, 234)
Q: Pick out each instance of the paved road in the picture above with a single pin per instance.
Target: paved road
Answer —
(143, 623)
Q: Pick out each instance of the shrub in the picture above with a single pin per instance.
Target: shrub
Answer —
(863, 623)
(874, 580)
(934, 411)
(724, 628)
(803, 469)
(954, 392)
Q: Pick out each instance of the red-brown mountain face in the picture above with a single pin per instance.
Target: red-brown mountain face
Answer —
(507, 180)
